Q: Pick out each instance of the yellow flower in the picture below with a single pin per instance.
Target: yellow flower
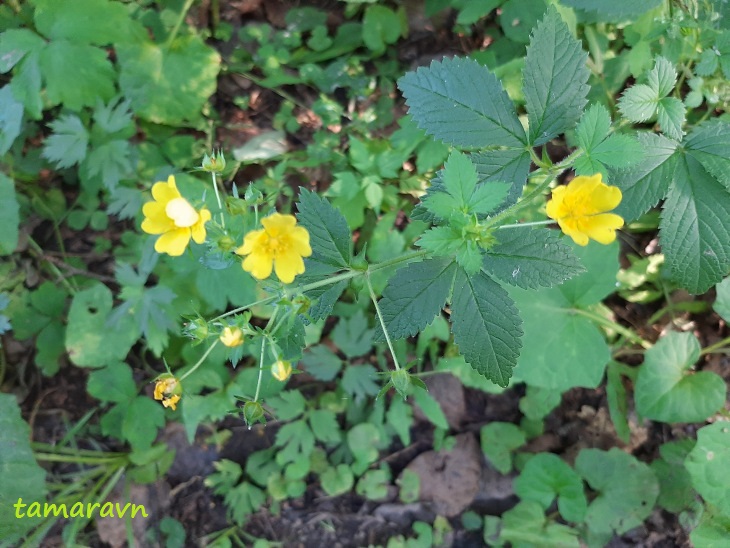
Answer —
(232, 336)
(281, 370)
(172, 216)
(280, 246)
(581, 208)
(168, 389)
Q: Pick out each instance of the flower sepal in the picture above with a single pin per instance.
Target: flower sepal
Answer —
(402, 380)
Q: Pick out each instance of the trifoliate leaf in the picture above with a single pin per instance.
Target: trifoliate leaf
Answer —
(667, 391)
(531, 258)
(414, 296)
(76, 75)
(555, 77)
(10, 218)
(111, 162)
(499, 440)
(352, 335)
(329, 235)
(462, 103)
(359, 381)
(638, 103)
(547, 476)
(646, 183)
(114, 116)
(486, 326)
(97, 22)
(67, 146)
(627, 489)
(695, 227)
(151, 74)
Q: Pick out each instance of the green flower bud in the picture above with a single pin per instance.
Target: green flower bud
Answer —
(215, 163)
(196, 329)
(401, 380)
(253, 413)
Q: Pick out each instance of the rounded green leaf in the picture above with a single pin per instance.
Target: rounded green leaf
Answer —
(708, 465)
(667, 391)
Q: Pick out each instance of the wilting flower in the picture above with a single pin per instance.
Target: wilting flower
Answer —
(232, 336)
(174, 218)
(581, 207)
(280, 246)
(168, 389)
(281, 370)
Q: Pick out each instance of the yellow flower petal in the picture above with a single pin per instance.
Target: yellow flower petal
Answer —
(198, 229)
(156, 222)
(232, 336)
(173, 242)
(250, 241)
(165, 191)
(277, 221)
(288, 265)
(581, 209)
(171, 402)
(259, 265)
(300, 241)
(181, 212)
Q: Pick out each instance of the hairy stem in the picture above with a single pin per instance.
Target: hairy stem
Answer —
(382, 321)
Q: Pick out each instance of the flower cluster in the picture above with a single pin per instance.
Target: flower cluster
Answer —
(174, 218)
(279, 246)
(168, 389)
(581, 207)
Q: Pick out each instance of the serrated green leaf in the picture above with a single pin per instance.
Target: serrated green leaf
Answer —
(722, 301)
(352, 335)
(638, 103)
(430, 408)
(670, 115)
(324, 301)
(462, 103)
(593, 127)
(325, 426)
(414, 296)
(97, 22)
(441, 204)
(644, 185)
(11, 118)
(21, 475)
(151, 74)
(114, 116)
(662, 77)
(547, 476)
(707, 465)
(67, 146)
(695, 227)
(531, 258)
(499, 440)
(469, 256)
(618, 151)
(486, 326)
(112, 383)
(601, 264)
(111, 162)
(26, 84)
(329, 234)
(487, 196)
(76, 75)
(288, 405)
(667, 391)
(321, 363)
(627, 489)
(459, 177)
(709, 143)
(359, 381)
(443, 241)
(10, 218)
(555, 77)
(510, 165)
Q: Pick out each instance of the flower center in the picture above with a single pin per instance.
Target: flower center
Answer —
(277, 244)
(181, 212)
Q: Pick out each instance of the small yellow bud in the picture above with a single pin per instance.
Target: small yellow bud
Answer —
(281, 370)
(232, 336)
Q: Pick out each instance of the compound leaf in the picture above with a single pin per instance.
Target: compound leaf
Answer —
(555, 79)
(462, 103)
(67, 146)
(709, 143)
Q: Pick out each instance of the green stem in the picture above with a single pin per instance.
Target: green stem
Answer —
(79, 459)
(181, 17)
(713, 348)
(263, 348)
(52, 267)
(218, 198)
(535, 223)
(618, 328)
(509, 212)
(200, 361)
(382, 322)
(328, 281)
